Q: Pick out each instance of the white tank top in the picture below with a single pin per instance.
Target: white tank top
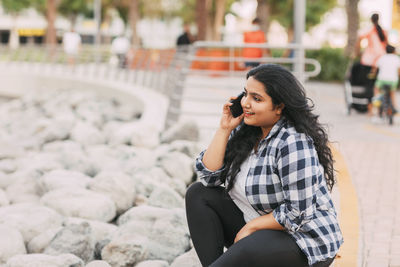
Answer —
(238, 193)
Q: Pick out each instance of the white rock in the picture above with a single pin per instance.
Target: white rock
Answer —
(24, 189)
(189, 259)
(8, 165)
(9, 150)
(39, 161)
(165, 197)
(86, 134)
(98, 264)
(41, 260)
(144, 135)
(76, 239)
(76, 202)
(62, 146)
(61, 178)
(3, 198)
(5, 180)
(100, 230)
(30, 219)
(186, 130)
(163, 231)
(152, 263)
(41, 241)
(11, 243)
(178, 166)
(55, 129)
(125, 251)
(118, 186)
(78, 160)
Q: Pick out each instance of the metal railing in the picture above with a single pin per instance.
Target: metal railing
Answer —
(145, 67)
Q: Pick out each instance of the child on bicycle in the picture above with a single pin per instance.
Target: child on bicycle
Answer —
(389, 66)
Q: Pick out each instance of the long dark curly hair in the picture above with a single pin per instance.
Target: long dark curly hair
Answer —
(284, 88)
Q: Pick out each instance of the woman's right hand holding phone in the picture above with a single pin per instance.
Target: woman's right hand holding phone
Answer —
(228, 122)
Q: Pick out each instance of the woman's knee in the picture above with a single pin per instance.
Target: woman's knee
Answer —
(194, 191)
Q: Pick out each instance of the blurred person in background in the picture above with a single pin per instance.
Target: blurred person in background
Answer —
(185, 39)
(254, 36)
(72, 42)
(376, 47)
(120, 47)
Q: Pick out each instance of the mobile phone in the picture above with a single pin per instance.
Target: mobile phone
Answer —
(236, 108)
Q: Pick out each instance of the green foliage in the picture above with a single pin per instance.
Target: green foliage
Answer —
(15, 6)
(333, 63)
(187, 9)
(39, 5)
(282, 11)
(72, 8)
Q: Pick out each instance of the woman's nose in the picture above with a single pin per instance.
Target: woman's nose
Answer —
(245, 102)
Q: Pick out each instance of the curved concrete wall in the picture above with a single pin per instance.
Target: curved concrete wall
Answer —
(153, 105)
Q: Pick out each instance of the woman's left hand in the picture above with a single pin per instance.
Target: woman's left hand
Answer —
(245, 231)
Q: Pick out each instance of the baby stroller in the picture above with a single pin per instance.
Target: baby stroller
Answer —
(358, 87)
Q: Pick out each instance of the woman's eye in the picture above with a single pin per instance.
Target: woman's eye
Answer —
(256, 99)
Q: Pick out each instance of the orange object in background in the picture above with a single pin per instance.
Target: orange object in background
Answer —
(215, 65)
(253, 37)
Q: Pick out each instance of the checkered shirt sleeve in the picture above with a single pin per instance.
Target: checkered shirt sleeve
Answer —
(207, 177)
(298, 168)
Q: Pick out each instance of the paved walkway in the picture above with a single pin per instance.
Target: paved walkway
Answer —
(367, 159)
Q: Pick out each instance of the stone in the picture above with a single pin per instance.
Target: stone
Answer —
(188, 259)
(178, 166)
(30, 219)
(11, 243)
(98, 263)
(41, 260)
(76, 239)
(24, 189)
(58, 179)
(163, 234)
(153, 263)
(3, 198)
(100, 230)
(118, 186)
(86, 134)
(40, 242)
(82, 203)
(165, 197)
(186, 130)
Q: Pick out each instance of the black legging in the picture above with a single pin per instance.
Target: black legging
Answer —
(214, 220)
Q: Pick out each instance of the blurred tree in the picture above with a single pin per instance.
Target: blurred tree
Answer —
(282, 11)
(72, 8)
(14, 8)
(353, 19)
(201, 18)
(51, 13)
(209, 16)
(263, 12)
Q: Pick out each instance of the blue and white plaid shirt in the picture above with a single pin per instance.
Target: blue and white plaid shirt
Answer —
(287, 179)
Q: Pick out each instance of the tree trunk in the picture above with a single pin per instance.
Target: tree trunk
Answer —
(263, 13)
(352, 25)
(218, 19)
(14, 36)
(133, 19)
(201, 19)
(51, 38)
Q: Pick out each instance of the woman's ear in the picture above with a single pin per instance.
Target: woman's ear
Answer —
(279, 108)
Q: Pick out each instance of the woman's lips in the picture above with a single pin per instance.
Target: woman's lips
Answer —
(248, 113)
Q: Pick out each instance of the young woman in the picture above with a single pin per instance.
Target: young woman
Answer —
(277, 168)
